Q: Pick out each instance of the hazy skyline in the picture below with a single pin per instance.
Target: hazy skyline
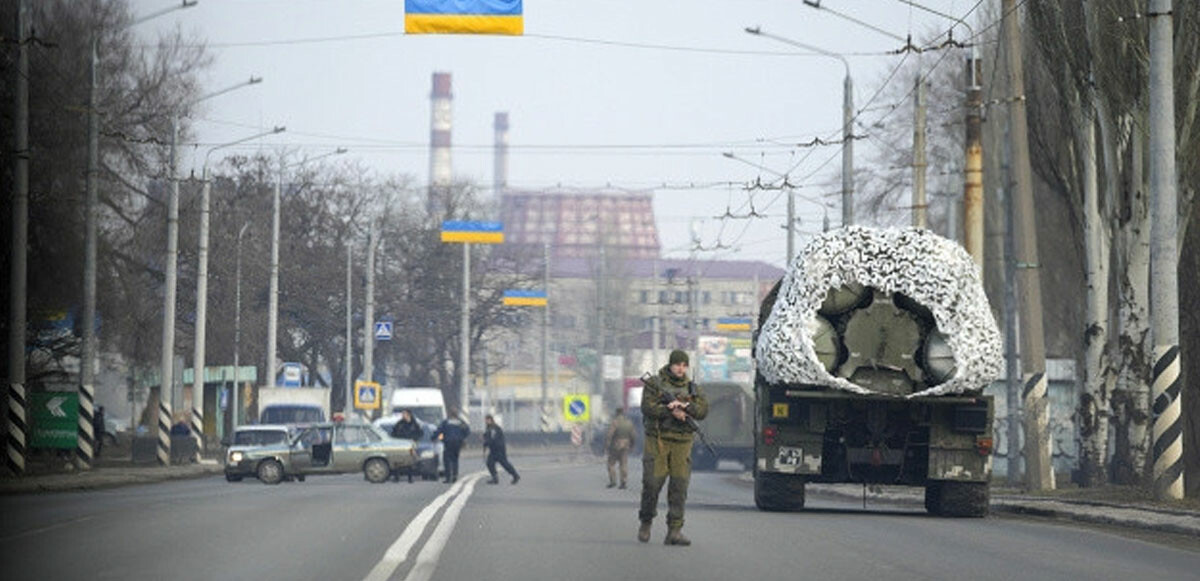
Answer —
(622, 93)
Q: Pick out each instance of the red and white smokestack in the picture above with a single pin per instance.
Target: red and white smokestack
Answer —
(439, 134)
(500, 163)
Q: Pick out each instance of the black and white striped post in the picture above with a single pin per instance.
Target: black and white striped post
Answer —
(17, 426)
(198, 423)
(85, 447)
(164, 431)
(1167, 429)
(17, 429)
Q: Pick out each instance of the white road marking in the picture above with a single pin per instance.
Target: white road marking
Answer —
(428, 558)
(397, 554)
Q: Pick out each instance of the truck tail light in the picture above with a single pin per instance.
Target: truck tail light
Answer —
(769, 434)
(984, 445)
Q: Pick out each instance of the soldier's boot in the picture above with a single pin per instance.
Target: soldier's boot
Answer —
(623, 486)
(611, 485)
(644, 532)
(675, 537)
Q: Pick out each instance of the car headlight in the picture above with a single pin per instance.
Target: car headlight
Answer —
(236, 457)
(427, 454)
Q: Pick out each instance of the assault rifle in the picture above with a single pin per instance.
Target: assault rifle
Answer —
(667, 398)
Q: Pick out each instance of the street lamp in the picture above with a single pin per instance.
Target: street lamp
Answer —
(847, 121)
(197, 416)
(168, 336)
(237, 334)
(273, 296)
(87, 378)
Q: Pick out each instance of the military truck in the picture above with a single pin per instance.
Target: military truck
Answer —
(729, 426)
(872, 353)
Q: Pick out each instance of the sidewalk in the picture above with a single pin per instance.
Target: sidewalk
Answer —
(1133, 514)
(106, 475)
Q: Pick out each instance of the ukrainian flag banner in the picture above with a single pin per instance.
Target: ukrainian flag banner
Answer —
(733, 324)
(463, 17)
(524, 298)
(476, 232)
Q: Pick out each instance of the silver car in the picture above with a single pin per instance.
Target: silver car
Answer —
(328, 448)
(253, 436)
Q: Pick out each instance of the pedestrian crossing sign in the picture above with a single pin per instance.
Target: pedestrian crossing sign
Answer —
(366, 395)
(577, 407)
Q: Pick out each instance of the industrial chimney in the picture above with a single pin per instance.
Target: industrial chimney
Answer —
(500, 163)
(439, 142)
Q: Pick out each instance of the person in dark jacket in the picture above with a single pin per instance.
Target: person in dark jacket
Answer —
(407, 428)
(98, 428)
(452, 432)
(497, 451)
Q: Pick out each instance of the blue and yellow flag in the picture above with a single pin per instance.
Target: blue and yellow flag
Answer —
(525, 298)
(733, 324)
(463, 17)
(471, 231)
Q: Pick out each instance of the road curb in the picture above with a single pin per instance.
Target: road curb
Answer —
(102, 478)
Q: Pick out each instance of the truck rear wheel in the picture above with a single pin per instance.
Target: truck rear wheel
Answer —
(957, 499)
(778, 492)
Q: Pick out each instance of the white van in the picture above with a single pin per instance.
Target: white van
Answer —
(425, 403)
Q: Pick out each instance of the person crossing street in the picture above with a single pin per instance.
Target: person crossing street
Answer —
(497, 451)
(618, 442)
(453, 431)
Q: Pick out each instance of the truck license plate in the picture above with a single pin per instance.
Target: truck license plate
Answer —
(789, 456)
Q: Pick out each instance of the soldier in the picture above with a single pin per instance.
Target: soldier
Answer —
(618, 443)
(668, 401)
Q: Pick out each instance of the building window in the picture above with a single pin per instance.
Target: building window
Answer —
(662, 297)
(644, 297)
(706, 297)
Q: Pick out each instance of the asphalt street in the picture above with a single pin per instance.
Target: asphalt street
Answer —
(560, 522)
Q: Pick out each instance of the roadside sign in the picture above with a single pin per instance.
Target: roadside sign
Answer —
(366, 395)
(577, 407)
(383, 331)
(291, 375)
(55, 420)
(614, 367)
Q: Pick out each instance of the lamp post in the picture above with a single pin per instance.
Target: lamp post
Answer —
(234, 394)
(273, 295)
(168, 335)
(87, 376)
(197, 416)
(847, 122)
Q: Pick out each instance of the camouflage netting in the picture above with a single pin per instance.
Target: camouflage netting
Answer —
(932, 270)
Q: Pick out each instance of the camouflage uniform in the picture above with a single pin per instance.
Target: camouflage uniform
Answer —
(668, 446)
(619, 442)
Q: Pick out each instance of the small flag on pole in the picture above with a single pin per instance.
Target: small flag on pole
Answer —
(463, 17)
(476, 232)
(524, 298)
(733, 324)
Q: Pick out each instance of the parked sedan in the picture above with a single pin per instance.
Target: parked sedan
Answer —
(329, 448)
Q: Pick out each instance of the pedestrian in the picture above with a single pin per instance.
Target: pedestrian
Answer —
(497, 451)
(452, 432)
(670, 405)
(618, 443)
(407, 428)
(98, 429)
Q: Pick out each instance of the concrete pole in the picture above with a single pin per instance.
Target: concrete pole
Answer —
(791, 222)
(464, 360)
(1012, 363)
(919, 163)
(198, 364)
(273, 290)
(545, 323)
(1039, 472)
(973, 183)
(1167, 430)
(17, 426)
(369, 317)
(167, 373)
(85, 447)
(349, 403)
(847, 151)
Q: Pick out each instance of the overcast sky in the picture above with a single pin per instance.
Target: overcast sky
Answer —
(637, 94)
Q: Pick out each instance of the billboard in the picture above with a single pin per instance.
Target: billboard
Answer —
(724, 359)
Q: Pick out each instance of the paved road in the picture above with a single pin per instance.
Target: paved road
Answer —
(558, 523)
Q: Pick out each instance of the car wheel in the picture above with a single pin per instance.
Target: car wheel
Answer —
(270, 471)
(232, 478)
(299, 478)
(376, 470)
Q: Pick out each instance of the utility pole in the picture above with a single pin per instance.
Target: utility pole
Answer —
(919, 164)
(17, 407)
(85, 447)
(464, 362)
(167, 373)
(349, 403)
(973, 231)
(1164, 259)
(1012, 365)
(369, 317)
(1039, 472)
(791, 221)
(545, 322)
(847, 150)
